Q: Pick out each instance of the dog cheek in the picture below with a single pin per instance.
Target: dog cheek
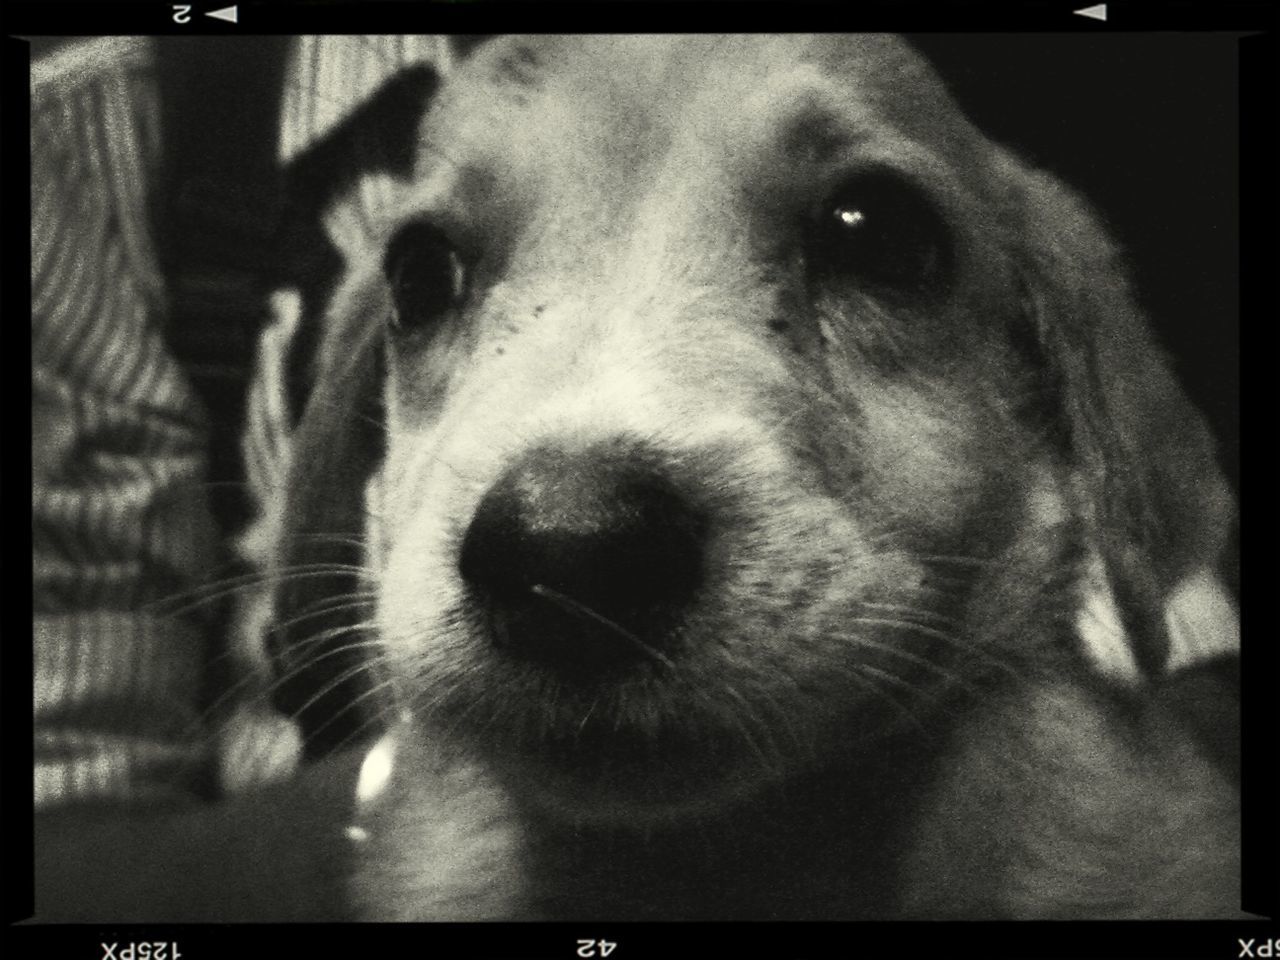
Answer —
(377, 540)
(919, 462)
(405, 539)
(422, 377)
(416, 585)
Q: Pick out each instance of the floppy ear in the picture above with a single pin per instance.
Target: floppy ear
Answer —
(323, 607)
(332, 367)
(341, 175)
(1144, 474)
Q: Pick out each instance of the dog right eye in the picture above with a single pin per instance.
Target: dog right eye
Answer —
(877, 230)
(426, 275)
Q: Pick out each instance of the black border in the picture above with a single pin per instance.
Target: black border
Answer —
(18, 658)
(55, 18)
(1253, 22)
(1260, 664)
(776, 941)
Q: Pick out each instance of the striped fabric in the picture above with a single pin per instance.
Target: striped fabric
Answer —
(119, 520)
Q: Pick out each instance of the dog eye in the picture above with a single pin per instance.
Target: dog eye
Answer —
(426, 275)
(880, 231)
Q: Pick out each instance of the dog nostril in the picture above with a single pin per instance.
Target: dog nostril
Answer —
(584, 559)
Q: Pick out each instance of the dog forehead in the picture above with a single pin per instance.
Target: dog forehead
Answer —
(625, 98)
(643, 64)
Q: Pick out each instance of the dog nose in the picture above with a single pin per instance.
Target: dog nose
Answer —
(583, 560)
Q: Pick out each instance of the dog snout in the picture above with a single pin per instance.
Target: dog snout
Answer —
(583, 560)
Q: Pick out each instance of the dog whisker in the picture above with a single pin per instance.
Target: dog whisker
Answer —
(582, 610)
(945, 638)
(248, 687)
(335, 683)
(882, 681)
(363, 638)
(336, 603)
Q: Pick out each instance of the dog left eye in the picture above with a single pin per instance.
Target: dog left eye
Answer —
(878, 230)
(426, 275)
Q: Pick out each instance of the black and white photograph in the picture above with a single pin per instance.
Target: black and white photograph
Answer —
(635, 476)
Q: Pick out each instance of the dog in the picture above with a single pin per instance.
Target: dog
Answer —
(736, 488)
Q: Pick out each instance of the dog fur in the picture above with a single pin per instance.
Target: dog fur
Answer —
(949, 515)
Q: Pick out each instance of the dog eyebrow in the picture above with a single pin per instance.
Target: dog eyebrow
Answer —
(520, 69)
(808, 119)
(814, 134)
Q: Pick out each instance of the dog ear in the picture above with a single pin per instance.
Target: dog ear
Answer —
(322, 605)
(329, 372)
(376, 139)
(338, 187)
(334, 181)
(1144, 477)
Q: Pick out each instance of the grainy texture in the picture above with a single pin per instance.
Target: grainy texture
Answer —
(938, 496)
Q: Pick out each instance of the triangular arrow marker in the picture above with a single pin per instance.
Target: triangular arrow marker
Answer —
(1097, 12)
(226, 13)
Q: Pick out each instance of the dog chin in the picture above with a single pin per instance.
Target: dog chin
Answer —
(634, 797)
(612, 771)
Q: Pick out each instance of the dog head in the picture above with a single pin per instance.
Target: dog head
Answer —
(700, 409)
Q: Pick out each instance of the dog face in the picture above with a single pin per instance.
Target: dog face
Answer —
(738, 403)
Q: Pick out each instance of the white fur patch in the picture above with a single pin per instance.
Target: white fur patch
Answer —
(1202, 620)
(376, 770)
(258, 745)
(1100, 630)
(1199, 614)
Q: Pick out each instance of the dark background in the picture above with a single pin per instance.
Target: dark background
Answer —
(1147, 127)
